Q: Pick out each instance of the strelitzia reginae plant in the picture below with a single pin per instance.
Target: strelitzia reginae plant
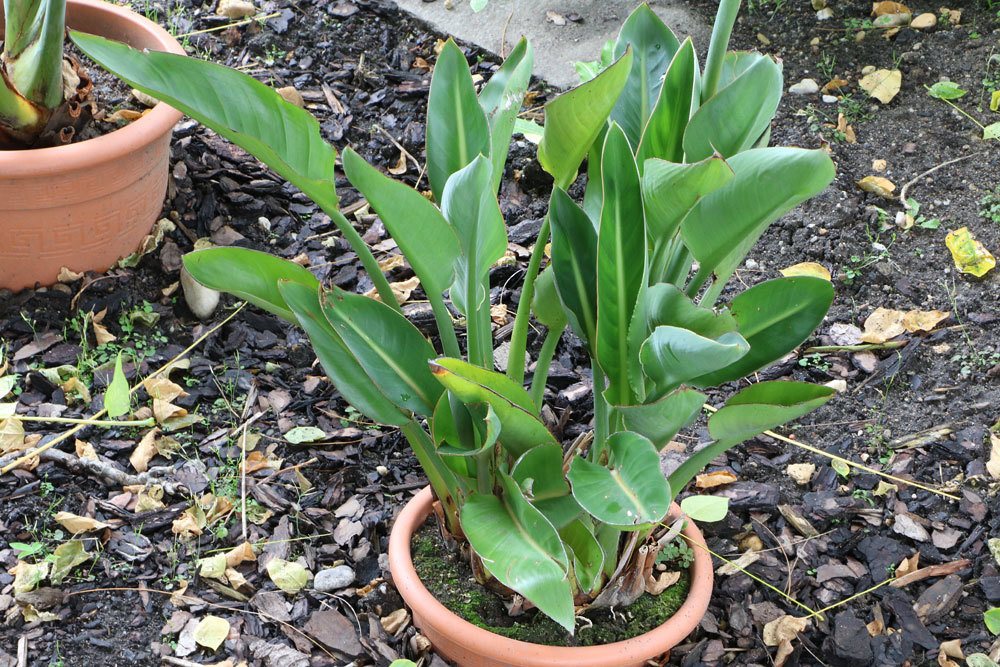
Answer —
(680, 186)
(43, 95)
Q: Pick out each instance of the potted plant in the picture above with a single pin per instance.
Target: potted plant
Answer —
(680, 187)
(78, 205)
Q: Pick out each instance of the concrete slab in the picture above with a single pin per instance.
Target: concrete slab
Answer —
(556, 46)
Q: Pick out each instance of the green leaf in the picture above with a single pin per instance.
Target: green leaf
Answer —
(662, 419)
(756, 409)
(992, 620)
(116, 399)
(588, 556)
(33, 50)
(392, 351)
(663, 136)
(428, 242)
(539, 473)
(546, 306)
(338, 362)
(249, 275)
(521, 549)
(774, 317)
(574, 263)
(673, 355)
(65, 557)
(457, 130)
(706, 509)
(522, 429)
(946, 90)
(304, 434)
(621, 261)
(574, 119)
(653, 46)
(991, 132)
(768, 183)
(670, 190)
(501, 100)
(237, 106)
(736, 116)
(979, 660)
(631, 491)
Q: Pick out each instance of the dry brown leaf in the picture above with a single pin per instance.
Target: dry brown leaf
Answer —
(993, 465)
(498, 313)
(908, 565)
(11, 436)
(883, 325)
(835, 84)
(163, 389)
(144, 451)
(76, 524)
(74, 386)
(878, 185)
(164, 410)
(710, 480)
(656, 586)
(785, 628)
(875, 628)
(948, 650)
(85, 450)
(395, 621)
(391, 262)
(845, 129)
(292, 95)
(240, 554)
(400, 167)
(743, 562)
(68, 276)
(882, 84)
(101, 333)
(924, 320)
(886, 8)
(125, 116)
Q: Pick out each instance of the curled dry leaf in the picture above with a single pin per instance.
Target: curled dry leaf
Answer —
(144, 451)
(710, 480)
(395, 621)
(882, 325)
(812, 269)
(950, 649)
(969, 254)
(882, 84)
(878, 185)
(993, 465)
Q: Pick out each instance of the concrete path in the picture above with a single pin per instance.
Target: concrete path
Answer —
(556, 46)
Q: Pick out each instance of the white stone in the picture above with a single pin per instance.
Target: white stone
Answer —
(333, 579)
(804, 87)
(824, 14)
(830, 99)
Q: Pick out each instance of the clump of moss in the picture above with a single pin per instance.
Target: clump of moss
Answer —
(449, 578)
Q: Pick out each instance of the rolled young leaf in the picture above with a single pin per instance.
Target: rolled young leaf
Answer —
(574, 264)
(539, 472)
(663, 136)
(457, 130)
(588, 556)
(501, 100)
(521, 549)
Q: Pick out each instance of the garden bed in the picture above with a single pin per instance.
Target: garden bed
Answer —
(362, 70)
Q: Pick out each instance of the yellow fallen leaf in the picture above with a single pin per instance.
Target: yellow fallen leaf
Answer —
(916, 321)
(32, 615)
(969, 254)
(807, 269)
(882, 84)
(993, 465)
(11, 436)
(884, 488)
(878, 185)
(163, 389)
(144, 451)
(995, 101)
(213, 567)
(211, 632)
(882, 325)
(78, 524)
(101, 333)
(28, 575)
(710, 480)
(287, 575)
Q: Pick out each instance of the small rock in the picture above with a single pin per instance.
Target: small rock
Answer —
(804, 87)
(924, 21)
(946, 538)
(235, 9)
(333, 579)
(200, 299)
(939, 599)
(830, 99)
(865, 361)
(824, 14)
(850, 643)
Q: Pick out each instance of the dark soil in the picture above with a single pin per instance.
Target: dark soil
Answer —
(359, 66)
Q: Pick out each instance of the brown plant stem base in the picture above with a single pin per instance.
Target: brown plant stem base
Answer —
(448, 576)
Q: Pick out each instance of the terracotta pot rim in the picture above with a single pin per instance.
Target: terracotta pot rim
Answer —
(631, 651)
(38, 162)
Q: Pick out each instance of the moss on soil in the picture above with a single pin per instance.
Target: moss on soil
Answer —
(449, 578)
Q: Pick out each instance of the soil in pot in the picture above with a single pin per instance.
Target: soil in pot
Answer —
(110, 94)
(449, 578)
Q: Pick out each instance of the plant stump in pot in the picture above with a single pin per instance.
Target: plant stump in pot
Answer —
(81, 205)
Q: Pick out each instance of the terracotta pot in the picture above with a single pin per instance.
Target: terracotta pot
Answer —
(85, 205)
(471, 646)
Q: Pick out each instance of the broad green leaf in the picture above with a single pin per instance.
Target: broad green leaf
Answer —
(237, 106)
(662, 419)
(670, 190)
(653, 46)
(116, 399)
(250, 275)
(428, 242)
(446, 434)
(946, 90)
(588, 556)
(65, 557)
(673, 355)
(521, 549)
(574, 119)
(707, 509)
(992, 620)
(457, 130)
(539, 473)
(979, 660)
(736, 116)
(621, 261)
(501, 100)
(756, 409)
(522, 429)
(574, 263)
(768, 183)
(609, 537)
(546, 306)
(287, 575)
(631, 491)
(340, 365)
(663, 136)
(665, 305)
(304, 434)
(991, 131)
(392, 351)
(471, 208)
(774, 317)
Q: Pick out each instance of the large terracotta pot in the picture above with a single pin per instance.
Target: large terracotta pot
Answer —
(85, 205)
(471, 646)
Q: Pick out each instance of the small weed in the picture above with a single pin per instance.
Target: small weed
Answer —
(878, 252)
(827, 65)
(855, 111)
(815, 360)
(761, 6)
(678, 553)
(913, 210)
(855, 24)
(989, 206)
